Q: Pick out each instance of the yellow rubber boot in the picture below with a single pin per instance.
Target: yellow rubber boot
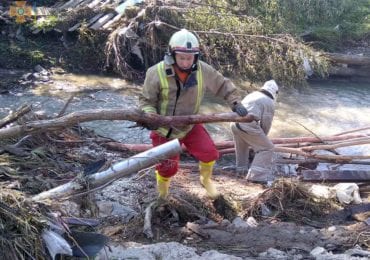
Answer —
(205, 170)
(163, 185)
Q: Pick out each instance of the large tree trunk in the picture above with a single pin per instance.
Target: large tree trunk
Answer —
(345, 71)
(349, 66)
(348, 59)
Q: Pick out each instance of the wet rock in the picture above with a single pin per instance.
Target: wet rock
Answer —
(225, 223)
(70, 208)
(26, 76)
(252, 222)
(320, 253)
(214, 255)
(317, 251)
(115, 209)
(40, 70)
(358, 251)
(332, 229)
(40, 77)
(164, 251)
(239, 225)
(273, 253)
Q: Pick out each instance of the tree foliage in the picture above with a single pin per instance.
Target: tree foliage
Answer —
(253, 39)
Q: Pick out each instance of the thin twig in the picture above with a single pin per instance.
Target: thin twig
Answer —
(354, 130)
(61, 113)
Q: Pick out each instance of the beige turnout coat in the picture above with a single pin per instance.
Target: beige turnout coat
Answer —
(161, 94)
(254, 135)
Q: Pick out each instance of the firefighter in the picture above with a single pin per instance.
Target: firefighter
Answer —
(176, 86)
(261, 108)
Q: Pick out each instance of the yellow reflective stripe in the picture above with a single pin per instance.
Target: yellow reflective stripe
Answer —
(200, 89)
(163, 131)
(164, 87)
(149, 109)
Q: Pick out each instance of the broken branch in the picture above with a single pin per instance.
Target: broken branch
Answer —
(117, 114)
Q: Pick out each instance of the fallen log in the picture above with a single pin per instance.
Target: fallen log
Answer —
(119, 170)
(336, 176)
(356, 141)
(349, 71)
(116, 114)
(337, 158)
(297, 151)
(343, 65)
(226, 145)
(348, 59)
(15, 115)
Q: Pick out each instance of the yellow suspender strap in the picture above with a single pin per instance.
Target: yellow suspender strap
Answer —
(164, 87)
(200, 89)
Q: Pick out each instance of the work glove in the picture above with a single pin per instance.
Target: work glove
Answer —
(239, 109)
(148, 126)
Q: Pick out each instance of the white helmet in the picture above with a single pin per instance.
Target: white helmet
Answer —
(271, 87)
(184, 41)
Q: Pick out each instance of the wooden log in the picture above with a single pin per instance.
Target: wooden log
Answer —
(341, 71)
(103, 20)
(116, 114)
(348, 59)
(15, 115)
(119, 170)
(336, 176)
(353, 142)
(228, 146)
(94, 4)
(89, 22)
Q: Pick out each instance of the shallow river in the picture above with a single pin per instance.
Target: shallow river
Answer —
(322, 109)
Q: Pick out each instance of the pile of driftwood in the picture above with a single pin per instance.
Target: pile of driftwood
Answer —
(297, 150)
(301, 147)
(15, 130)
(293, 150)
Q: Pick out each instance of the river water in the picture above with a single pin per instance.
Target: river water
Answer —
(320, 109)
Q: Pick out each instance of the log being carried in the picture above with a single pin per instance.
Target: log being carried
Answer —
(119, 170)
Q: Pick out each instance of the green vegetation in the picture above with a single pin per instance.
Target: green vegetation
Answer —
(16, 54)
(46, 23)
(252, 39)
(330, 23)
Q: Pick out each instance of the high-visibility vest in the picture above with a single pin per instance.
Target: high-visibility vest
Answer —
(165, 98)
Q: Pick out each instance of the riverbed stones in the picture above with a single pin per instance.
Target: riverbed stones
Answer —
(164, 251)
